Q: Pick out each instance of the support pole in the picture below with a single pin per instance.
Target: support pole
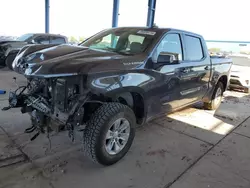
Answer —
(115, 13)
(151, 13)
(47, 16)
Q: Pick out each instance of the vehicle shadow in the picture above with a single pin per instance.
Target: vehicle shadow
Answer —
(209, 126)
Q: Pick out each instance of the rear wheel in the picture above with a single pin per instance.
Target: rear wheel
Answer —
(109, 133)
(216, 97)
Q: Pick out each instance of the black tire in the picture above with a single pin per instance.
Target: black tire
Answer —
(213, 105)
(9, 60)
(97, 127)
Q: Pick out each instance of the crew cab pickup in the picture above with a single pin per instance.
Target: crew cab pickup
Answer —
(115, 80)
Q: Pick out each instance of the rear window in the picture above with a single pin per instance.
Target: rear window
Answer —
(57, 40)
(193, 48)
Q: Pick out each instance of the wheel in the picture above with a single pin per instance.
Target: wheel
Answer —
(9, 60)
(216, 97)
(109, 133)
(246, 90)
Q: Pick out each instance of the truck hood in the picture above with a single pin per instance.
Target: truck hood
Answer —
(66, 60)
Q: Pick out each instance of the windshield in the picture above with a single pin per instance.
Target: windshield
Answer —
(25, 37)
(127, 41)
(240, 60)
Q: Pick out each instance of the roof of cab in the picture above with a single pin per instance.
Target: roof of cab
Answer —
(154, 28)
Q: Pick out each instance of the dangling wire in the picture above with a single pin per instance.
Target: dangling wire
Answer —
(48, 136)
(48, 130)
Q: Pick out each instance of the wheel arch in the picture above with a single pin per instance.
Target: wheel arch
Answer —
(224, 80)
(133, 97)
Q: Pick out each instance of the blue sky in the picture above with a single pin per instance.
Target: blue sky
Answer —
(214, 19)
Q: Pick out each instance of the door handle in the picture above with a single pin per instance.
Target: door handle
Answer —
(206, 68)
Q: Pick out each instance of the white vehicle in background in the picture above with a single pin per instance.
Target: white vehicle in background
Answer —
(240, 73)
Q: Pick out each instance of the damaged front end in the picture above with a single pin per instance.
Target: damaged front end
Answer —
(53, 104)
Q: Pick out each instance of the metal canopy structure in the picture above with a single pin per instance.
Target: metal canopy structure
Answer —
(115, 18)
(47, 16)
(151, 12)
(116, 3)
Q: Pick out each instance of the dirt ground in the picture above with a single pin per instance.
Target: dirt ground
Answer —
(192, 148)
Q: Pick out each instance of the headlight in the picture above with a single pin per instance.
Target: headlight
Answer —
(30, 57)
(28, 71)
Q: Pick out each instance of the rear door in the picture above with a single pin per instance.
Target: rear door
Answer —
(184, 82)
(57, 40)
(42, 39)
(194, 73)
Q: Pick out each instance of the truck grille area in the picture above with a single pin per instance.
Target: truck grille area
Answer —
(65, 91)
(60, 94)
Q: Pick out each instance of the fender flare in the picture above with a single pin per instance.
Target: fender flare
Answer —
(115, 93)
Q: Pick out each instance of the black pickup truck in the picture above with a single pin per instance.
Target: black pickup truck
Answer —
(115, 80)
(10, 48)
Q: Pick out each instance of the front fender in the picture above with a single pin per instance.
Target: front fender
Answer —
(138, 83)
(112, 84)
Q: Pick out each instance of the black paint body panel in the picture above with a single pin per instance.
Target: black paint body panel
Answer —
(163, 88)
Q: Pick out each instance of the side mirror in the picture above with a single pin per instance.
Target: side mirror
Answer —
(168, 58)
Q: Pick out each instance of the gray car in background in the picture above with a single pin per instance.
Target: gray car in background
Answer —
(240, 73)
(10, 48)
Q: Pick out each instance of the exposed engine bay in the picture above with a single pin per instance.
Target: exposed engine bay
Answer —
(53, 104)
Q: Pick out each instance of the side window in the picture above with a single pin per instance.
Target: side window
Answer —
(193, 48)
(170, 43)
(42, 40)
(57, 40)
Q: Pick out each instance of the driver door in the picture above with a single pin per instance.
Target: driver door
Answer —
(171, 82)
